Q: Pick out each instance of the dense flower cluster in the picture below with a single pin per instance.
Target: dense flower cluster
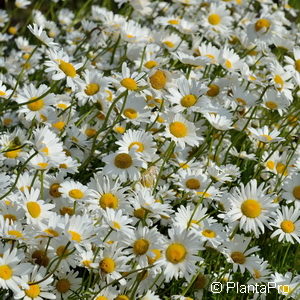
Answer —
(149, 148)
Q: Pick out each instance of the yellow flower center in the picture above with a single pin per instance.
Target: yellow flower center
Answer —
(12, 154)
(193, 184)
(6, 272)
(59, 125)
(209, 233)
(256, 274)
(92, 89)
(53, 191)
(139, 213)
(213, 90)
(297, 65)
(158, 80)
(33, 291)
(76, 194)
(130, 113)
(109, 200)
(188, 100)
(281, 169)
(40, 258)
(2, 93)
(140, 246)
(176, 253)
(66, 210)
(139, 144)
(75, 236)
(36, 105)
(238, 257)
(157, 255)
(129, 84)
(6, 121)
(43, 165)
(268, 137)
(178, 129)
(214, 19)
(67, 68)
(51, 232)
(90, 132)
(262, 24)
(287, 226)
(150, 64)
(296, 192)
(123, 161)
(116, 225)
(173, 22)
(101, 298)
(278, 79)
(63, 285)
(107, 265)
(251, 208)
(169, 44)
(62, 105)
(121, 297)
(119, 129)
(241, 101)
(15, 233)
(228, 64)
(34, 209)
(271, 105)
(270, 164)
(62, 251)
(10, 217)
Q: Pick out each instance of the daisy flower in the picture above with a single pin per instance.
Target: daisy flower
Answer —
(73, 191)
(180, 254)
(220, 122)
(252, 207)
(141, 242)
(39, 33)
(11, 269)
(139, 140)
(186, 95)
(127, 81)
(125, 165)
(92, 88)
(37, 291)
(79, 229)
(117, 221)
(217, 19)
(107, 193)
(39, 109)
(65, 284)
(291, 188)
(288, 224)
(265, 135)
(112, 263)
(238, 255)
(35, 209)
(181, 131)
(61, 67)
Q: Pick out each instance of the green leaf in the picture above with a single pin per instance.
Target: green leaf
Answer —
(294, 3)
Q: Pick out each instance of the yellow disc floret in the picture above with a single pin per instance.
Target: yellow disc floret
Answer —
(188, 100)
(123, 161)
(287, 226)
(178, 129)
(107, 265)
(33, 291)
(251, 208)
(109, 200)
(67, 68)
(140, 246)
(129, 84)
(176, 253)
